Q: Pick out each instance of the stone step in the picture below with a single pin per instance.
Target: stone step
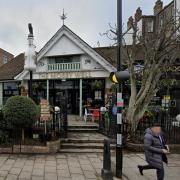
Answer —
(83, 127)
(83, 130)
(80, 150)
(73, 140)
(84, 146)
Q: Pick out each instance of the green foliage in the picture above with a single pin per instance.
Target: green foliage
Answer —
(38, 109)
(97, 84)
(20, 111)
(168, 83)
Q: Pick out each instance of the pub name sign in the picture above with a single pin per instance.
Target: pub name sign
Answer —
(65, 75)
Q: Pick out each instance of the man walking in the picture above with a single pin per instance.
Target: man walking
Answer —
(155, 151)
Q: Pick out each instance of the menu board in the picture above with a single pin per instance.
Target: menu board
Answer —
(45, 111)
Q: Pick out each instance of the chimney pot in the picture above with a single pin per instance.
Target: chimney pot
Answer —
(138, 14)
(158, 7)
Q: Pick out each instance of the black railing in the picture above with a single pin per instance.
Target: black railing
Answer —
(170, 126)
(39, 133)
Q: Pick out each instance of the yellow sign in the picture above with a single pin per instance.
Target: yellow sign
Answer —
(167, 97)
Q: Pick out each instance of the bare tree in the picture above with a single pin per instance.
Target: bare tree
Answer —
(160, 50)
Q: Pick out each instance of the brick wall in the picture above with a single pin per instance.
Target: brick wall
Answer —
(5, 54)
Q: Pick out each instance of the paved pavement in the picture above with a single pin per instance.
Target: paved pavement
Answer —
(172, 171)
(75, 167)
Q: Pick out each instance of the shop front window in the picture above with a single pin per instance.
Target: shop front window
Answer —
(10, 89)
(93, 92)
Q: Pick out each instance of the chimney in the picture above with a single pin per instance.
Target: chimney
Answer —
(138, 14)
(130, 22)
(158, 7)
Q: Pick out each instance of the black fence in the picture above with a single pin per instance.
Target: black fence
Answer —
(170, 126)
(107, 123)
(39, 133)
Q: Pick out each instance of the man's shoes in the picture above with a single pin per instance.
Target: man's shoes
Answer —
(140, 170)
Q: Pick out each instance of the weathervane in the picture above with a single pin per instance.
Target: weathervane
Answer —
(63, 17)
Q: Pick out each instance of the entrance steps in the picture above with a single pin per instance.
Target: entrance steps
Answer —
(87, 128)
(82, 146)
(83, 139)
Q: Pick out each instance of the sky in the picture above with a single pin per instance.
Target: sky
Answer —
(87, 18)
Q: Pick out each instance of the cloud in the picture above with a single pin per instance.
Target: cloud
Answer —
(87, 18)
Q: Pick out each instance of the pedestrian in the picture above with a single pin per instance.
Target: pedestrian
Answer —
(155, 151)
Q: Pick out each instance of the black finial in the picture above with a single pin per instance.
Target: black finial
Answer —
(63, 17)
(30, 29)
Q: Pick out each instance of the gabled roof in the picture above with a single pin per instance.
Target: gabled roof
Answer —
(11, 69)
(109, 53)
(106, 56)
(64, 30)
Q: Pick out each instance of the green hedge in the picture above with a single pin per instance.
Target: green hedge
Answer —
(20, 111)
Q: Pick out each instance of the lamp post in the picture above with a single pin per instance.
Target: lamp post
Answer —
(119, 77)
(119, 153)
(30, 57)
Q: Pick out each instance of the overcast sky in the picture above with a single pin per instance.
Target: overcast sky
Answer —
(87, 18)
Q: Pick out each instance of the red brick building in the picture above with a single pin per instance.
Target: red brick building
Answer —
(5, 57)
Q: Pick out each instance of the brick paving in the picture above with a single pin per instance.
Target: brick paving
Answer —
(75, 167)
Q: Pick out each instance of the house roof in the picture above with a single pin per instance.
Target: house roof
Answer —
(14, 67)
(108, 53)
(11, 69)
(64, 30)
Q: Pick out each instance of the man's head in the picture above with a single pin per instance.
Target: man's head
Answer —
(156, 128)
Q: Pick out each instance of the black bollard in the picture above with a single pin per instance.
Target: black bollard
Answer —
(106, 172)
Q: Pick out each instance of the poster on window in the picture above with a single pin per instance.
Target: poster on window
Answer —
(98, 94)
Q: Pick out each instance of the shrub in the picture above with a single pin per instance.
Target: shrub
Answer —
(20, 112)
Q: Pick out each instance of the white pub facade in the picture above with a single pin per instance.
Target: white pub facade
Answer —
(66, 65)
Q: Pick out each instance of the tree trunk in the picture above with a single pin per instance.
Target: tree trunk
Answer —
(133, 116)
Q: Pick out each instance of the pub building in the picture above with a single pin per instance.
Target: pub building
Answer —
(65, 66)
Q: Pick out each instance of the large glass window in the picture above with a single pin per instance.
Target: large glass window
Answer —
(93, 92)
(10, 89)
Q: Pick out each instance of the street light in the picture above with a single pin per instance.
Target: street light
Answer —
(119, 153)
(30, 58)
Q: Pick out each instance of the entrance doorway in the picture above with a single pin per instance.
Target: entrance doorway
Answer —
(72, 97)
(68, 89)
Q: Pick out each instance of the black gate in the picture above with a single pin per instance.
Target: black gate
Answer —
(62, 118)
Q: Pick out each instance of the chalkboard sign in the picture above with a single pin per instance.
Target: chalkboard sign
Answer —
(45, 111)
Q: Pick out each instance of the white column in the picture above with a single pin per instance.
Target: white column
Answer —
(80, 97)
(47, 90)
(1, 95)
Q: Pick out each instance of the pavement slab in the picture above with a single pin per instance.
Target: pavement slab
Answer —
(77, 167)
